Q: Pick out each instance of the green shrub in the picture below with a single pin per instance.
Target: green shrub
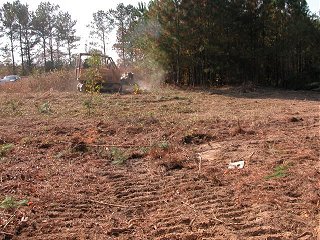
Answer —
(44, 108)
(5, 149)
(118, 156)
(11, 203)
(279, 172)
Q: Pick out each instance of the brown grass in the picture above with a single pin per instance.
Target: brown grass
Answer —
(62, 81)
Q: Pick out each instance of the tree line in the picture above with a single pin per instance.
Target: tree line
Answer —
(270, 42)
(196, 42)
(209, 42)
(45, 36)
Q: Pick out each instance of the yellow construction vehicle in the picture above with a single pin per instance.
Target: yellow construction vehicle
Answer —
(109, 79)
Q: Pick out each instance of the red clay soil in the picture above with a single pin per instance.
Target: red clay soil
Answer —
(155, 165)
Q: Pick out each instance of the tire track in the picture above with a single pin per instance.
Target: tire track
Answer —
(175, 205)
(68, 219)
(178, 206)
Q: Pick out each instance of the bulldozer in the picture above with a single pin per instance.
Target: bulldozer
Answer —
(109, 78)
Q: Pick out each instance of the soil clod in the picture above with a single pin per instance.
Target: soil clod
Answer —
(295, 119)
(197, 138)
(79, 147)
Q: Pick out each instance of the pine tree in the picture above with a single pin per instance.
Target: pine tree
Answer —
(66, 32)
(8, 19)
(43, 24)
(124, 19)
(101, 26)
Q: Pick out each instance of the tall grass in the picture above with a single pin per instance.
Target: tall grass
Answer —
(62, 81)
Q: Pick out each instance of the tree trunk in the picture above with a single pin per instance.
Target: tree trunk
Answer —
(44, 52)
(21, 51)
(178, 67)
(51, 50)
(27, 47)
(104, 43)
(122, 39)
(58, 51)
(69, 52)
(12, 53)
(178, 43)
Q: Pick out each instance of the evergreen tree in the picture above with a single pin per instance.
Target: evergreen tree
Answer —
(270, 42)
(101, 26)
(66, 32)
(8, 19)
(23, 26)
(44, 23)
(124, 17)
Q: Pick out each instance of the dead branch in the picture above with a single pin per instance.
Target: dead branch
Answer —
(6, 233)
(200, 162)
(119, 146)
(9, 220)
(110, 204)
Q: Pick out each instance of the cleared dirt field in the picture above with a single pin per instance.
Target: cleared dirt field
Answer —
(155, 165)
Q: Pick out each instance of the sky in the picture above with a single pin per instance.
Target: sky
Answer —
(82, 12)
(314, 6)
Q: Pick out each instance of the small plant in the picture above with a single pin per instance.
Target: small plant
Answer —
(144, 150)
(89, 105)
(164, 145)
(5, 149)
(11, 203)
(159, 149)
(279, 172)
(93, 74)
(137, 89)
(45, 108)
(14, 105)
(26, 141)
(118, 156)
(93, 77)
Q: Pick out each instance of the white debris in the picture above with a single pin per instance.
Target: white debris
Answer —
(239, 164)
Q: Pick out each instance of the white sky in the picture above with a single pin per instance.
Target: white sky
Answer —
(314, 6)
(82, 12)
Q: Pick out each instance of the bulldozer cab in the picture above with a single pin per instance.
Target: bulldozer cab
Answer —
(109, 74)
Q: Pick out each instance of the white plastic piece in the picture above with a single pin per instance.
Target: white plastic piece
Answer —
(80, 87)
(239, 164)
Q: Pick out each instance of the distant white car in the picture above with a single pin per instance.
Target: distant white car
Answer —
(10, 78)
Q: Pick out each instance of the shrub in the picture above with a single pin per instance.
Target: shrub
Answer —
(10, 203)
(279, 172)
(5, 149)
(118, 156)
(45, 108)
